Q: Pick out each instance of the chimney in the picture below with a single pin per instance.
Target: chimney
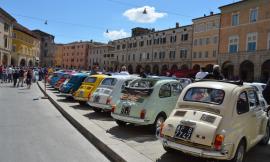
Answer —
(211, 13)
(177, 25)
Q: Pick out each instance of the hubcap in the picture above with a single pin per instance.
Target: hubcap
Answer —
(240, 154)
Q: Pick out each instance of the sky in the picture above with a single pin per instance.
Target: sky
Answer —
(75, 20)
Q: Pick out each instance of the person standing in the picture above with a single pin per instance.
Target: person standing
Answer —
(29, 76)
(1, 74)
(15, 77)
(124, 70)
(216, 75)
(21, 77)
(201, 74)
(10, 73)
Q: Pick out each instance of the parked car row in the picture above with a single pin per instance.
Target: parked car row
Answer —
(210, 119)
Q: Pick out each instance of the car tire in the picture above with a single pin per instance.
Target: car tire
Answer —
(82, 102)
(121, 123)
(168, 149)
(97, 110)
(159, 119)
(240, 154)
(266, 138)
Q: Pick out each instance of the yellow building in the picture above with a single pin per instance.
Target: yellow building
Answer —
(25, 47)
(58, 55)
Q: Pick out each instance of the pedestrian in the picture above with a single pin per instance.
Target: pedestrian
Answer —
(266, 92)
(29, 76)
(1, 74)
(10, 73)
(5, 74)
(15, 77)
(201, 74)
(21, 77)
(124, 70)
(216, 74)
(142, 73)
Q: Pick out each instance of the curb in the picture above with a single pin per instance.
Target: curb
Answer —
(106, 150)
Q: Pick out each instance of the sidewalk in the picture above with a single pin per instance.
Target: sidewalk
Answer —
(113, 148)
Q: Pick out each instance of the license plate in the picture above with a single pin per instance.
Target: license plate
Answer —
(96, 98)
(81, 93)
(183, 132)
(125, 110)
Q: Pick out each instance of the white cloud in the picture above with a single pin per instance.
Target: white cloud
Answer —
(136, 14)
(115, 34)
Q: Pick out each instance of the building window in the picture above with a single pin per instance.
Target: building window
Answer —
(235, 19)
(133, 57)
(206, 54)
(207, 41)
(253, 15)
(184, 37)
(194, 54)
(195, 42)
(155, 55)
(183, 53)
(215, 39)
(6, 41)
(141, 43)
(118, 47)
(214, 53)
(200, 55)
(251, 41)
(140, 56)
(233, 44)
(14, 48)
(6, 27)
(172, 55)
(128, 57)
(200, 41)
(148, 56)
(123, 57)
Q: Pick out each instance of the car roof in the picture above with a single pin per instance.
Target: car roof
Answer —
(99, 75)
(79, 74)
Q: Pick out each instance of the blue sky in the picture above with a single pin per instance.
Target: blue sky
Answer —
(73, 20)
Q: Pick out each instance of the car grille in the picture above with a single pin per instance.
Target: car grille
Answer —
(187, 143)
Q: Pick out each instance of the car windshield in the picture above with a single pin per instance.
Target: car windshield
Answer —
(141, 83)
(205, 95)
(90, 80)
(255, 87)
(109, 82)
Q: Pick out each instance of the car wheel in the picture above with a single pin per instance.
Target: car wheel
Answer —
(97, 110)
(266, 138)
(121, 123)
(168, 149)
(240, 154)
(82, 102)
(159, 120)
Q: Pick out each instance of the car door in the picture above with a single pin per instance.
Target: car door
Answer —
(245, 120)
(165, 98)
(256, 112)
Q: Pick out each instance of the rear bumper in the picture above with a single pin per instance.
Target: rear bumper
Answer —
(220, 155)
(101, 106)
(129, 119)
(80, 98)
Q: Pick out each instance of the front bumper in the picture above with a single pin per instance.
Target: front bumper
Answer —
(66, 94)
(80, 98)
(129, 119)
(211, 154)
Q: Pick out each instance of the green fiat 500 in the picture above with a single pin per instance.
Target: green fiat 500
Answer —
(147, 101)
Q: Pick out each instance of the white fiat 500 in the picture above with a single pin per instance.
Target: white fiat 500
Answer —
(216, 120)
(109, 92)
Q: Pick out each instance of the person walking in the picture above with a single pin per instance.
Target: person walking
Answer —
(29, 76)
(216, 74)
(10, 73)
(15, 77)
(21, 77)
(266, 92)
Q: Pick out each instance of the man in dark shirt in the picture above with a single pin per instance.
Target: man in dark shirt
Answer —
(21, 77)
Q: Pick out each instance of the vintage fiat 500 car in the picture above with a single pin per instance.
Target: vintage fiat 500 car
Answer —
(90, 84)
(72, 85)
(217, 120)
(109, 92)
(147, 101)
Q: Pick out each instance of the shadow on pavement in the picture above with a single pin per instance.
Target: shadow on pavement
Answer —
(259, 153)
(139, 134)
(180, 157)
(65, 100)
(81, 107)
(103, 116)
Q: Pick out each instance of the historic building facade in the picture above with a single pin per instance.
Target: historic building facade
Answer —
(205, 41)
(47, 48)
(245, 40)
(102, 56)
(155, 51)
(58, 55)
(6, 27)
(25, 47)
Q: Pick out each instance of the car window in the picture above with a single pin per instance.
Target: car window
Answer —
(109, 81)
(176, 89)
(126, 83)
(90, 79)
(263, 86)
(255, 87)
(253, 99)
(242, 103)
(205, 95)
(140, 83)
(165, 91)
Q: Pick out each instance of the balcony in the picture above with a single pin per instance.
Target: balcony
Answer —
(244, 55)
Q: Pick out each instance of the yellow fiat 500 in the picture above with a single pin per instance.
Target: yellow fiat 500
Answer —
(89, 85)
